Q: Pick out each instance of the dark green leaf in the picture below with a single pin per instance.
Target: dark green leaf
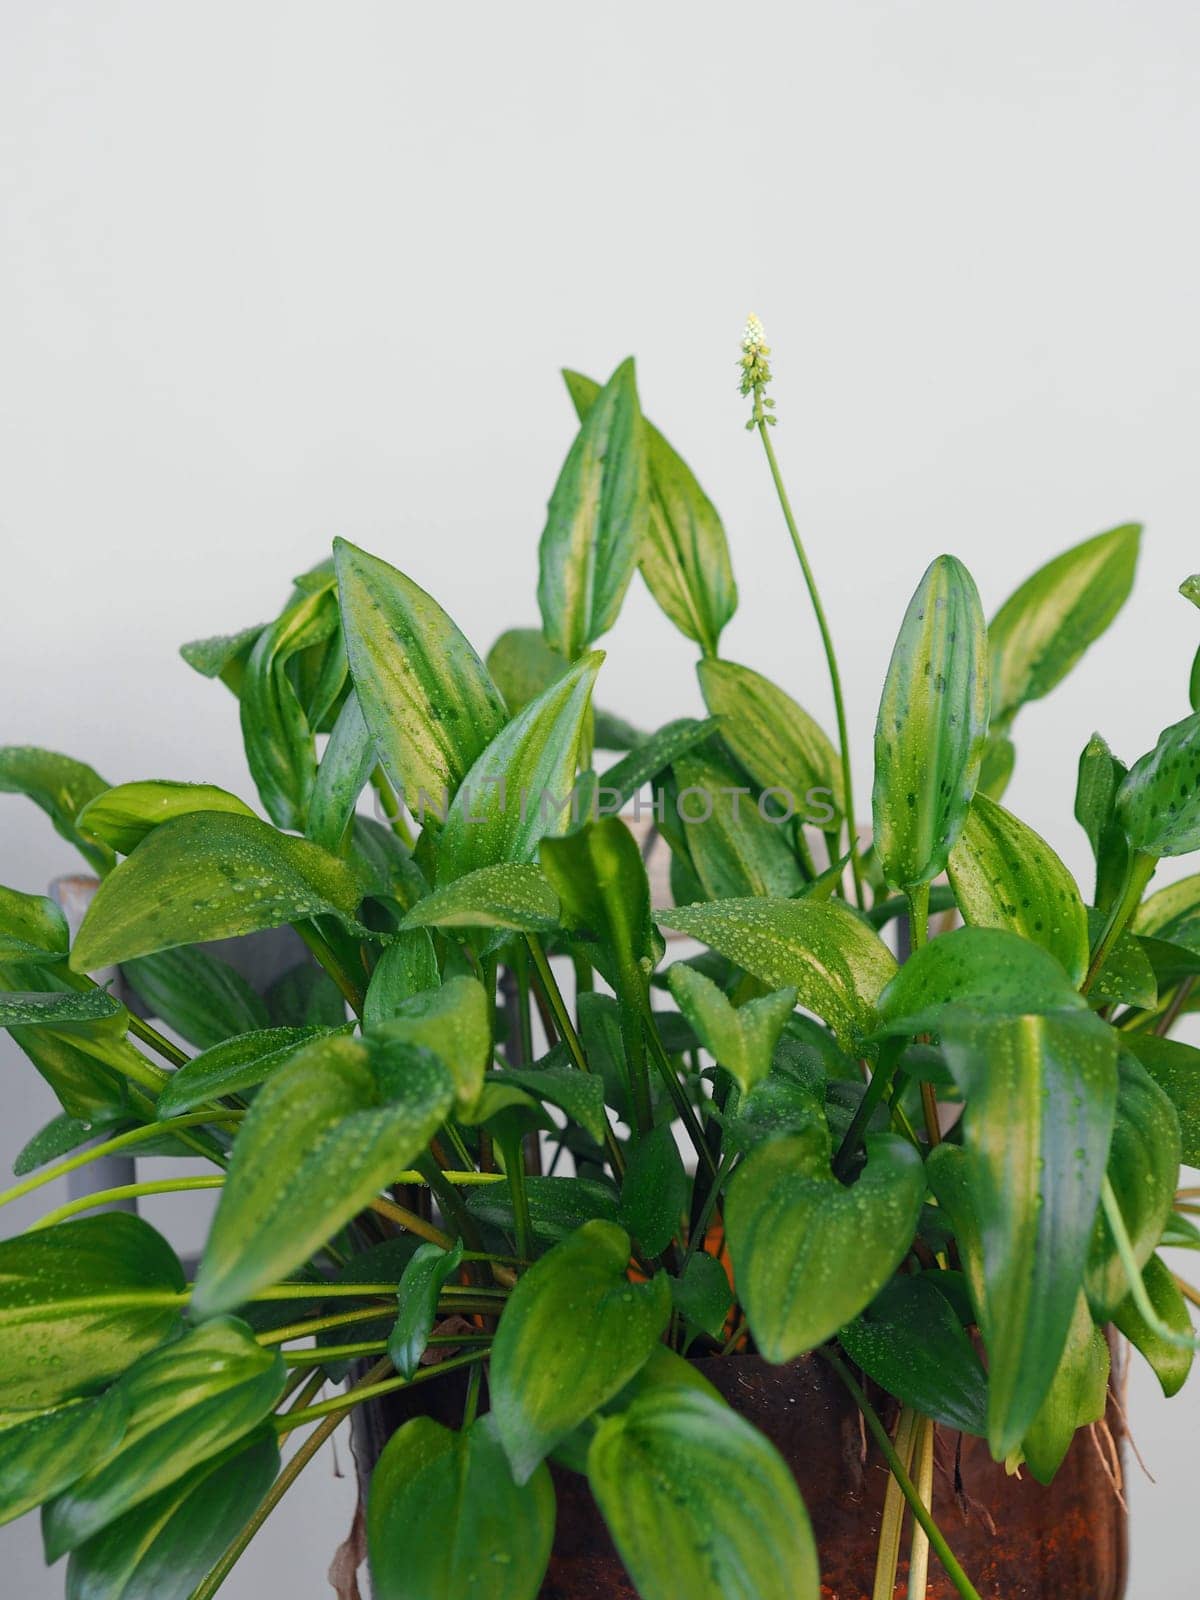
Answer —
(222, 655)
(834, 960)
(65, 1009)
(209, 876)
(1175, 1068)
(1100, 777)
(1158, 804)
(61, 787)
(808, 1253)
(454, 1022)
(230, 1067)
(1127, 975)
(326, 1133)
(557, 1206)
(204, 999)
(574, 1331)
(702, 1294)
(305, 997)
(741, 1039)
(1043, 628)
(1006, 876)
(509, 895)
(186, 1402)
(445, 1518)
(1171, 1363)
(1077, 1396)
(910, 1340)
(932, 725)
(32, 928)
(776, 740)
(600, 879)
(79, 1302)
(654, 1193)
(429, 1268)
(596, 520)
(124, 815)
(649, 757)
(163, 1547)
(700, 1504)
(57, 1138)
(579, 1094)
(734, 849)
(346, 765)
(42, 1457)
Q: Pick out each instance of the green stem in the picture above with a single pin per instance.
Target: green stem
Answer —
(151, 1036)
(696, 1238)
(121, 1141)
(827, 642)
(472, 1405)
(351, 991)
(374, 1347)
(514, 1167)
(1137, 876)
(908, 1489)
(889, 1054)
(391, 806)
(126, 1191)
(478, 1304)
(371, 1391)
(918, 915)
(687, 1112)
(887, 1552)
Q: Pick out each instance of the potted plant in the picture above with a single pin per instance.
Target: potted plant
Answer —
(783, 1220)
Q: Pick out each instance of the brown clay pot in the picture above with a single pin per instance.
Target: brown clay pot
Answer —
(1016, 1539)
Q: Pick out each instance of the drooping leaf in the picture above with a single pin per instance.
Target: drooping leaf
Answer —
(61, 787)
(932, 725)
(203, 998)
(1077, 1396)
(32, 928)
(163, 1547)
(650, 757)
(79, 1302)
(741, 1039)
(519, 791)
(420, 1286)
(1004, 875)
(579, 1094)
(557, 1206)
(1158, 803)
(910, 1340)
(1175, 1068)
(684, 556)
(186, 1401)
(346, 765)
(222, 655)
(573, 1333)
(1040, 1096)
(1100, 777)
(510, 895)
(54, 1139)
(1170, 1362)
(42, 1457)
(809, 1253)
(210, 875)
(1043, 628)
(426, 697)
(987, 971)
(231, 1067)
(702, 1294)
(326, 1133)
(1143, 1168)
(836, 963)
(124, 815)
(454, 1022)
(86, 1086)
(700, 1504)
(446, 1519)
(655, 1189)
(776, 740)
(596, 520)
(735, 844)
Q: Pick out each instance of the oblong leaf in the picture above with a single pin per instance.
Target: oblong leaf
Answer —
(230, 1067)
(346, 765)
(42, 1457)
(454, 1022)
(988, 971)
(61, 787)
(420, 1285)
(1170, 1362)
(202, 997)
(775, 739)
(210, 875)
(1078, 1396)
(32, 928)
(735, 847)
(1158, 803)
(699, 1503)
(574, 1331)
(124, 815)
(741, 1039)
(509, 895)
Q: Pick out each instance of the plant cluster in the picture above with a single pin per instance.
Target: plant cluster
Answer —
(790, 1142)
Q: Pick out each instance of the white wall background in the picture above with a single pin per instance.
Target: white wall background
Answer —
(270, 272)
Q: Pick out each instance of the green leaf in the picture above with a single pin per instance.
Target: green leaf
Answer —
(808, 1253)
(1006, 876)
(56, 1138)
(579, 1094)
(700, 1504)
(346, 765)
(186, 1402)
(65, 1009)
(523, 666)
(835, 961)
(654, 1194)
(1127, 975)
(78, 1303)
(734, 848)
(324, 1136)
(61, 787)
(996, 768)
(208, 876)
(305, 996)
(222, 655)
(741, 1039)
(454, 1022)
(910, 1340)
(86, 1087)
(684, 555)
(446, 1519)
(1100, 777)
(1171, 1363)
(1143, 1168)
(426, 697)
(1040, 1093)
(932, 726)
(574, 1331)
(42, 1457)
(600, 880)
(124, 815)
(1043, 628)
(1173, 913)
(406, 968)
(702, 1294)
(649, 758)
(420, 1286)
(520, 788)
(773, 738)
(984, 970)
(557, 1206)
(1158, 804)
(1078, 1395)
(508, 895)
(204, 999)
(231, 1067)
(1175, 1068)
(596, 520)
(163, 1547)
(32, 928)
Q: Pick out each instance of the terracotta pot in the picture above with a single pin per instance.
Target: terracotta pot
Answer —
(1016, 1539)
